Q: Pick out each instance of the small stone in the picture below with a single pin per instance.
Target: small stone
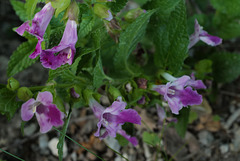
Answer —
(104, 100)
(206, 138)
(224, 148)
(90, 156)
(43, 144)
(74, 156)
(52, 145)
(29, 130)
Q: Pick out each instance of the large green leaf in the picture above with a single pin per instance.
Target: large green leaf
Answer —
(30, 7)
(8, 104)
(226, 66)
(20, 10)
(230, 7)
(86, 25)
(60, 5)
(20, 58)
(128, 41)
(169, 31)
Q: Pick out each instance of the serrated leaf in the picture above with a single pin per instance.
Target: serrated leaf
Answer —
(20, 10)
(226, 66)
(150, 138)
(128, 42)
(30, 7)
(56, 36)
(60, 5)
(57, 72)
(62, 137)
(118, 5)
(86, 25)
(230, 7)
(98, 73)
(183, 119)
(8, 103)
(170, 38)
(20, 58)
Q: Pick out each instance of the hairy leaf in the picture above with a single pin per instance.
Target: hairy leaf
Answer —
(128, 41)
(8, 103)
(19, 8)
(20, 58)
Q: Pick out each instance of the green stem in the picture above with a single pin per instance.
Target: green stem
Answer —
(11, 155)
(78, 144)
(117, 153)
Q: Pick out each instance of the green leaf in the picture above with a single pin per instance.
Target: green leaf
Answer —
(20, 10)
(150, 138)
(60, 5)
(230, 7)
(229, 29)
(30, 7)
(183, 119)
(62, 137)
(118, 5)
(169, 31)
(203, 67)
(8, 103)
(86, 25)
(128, 41)
(226, 66)
(20, 58)
(98, 73)
(57, 72)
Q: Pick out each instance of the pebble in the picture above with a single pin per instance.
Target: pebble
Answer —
(206, 138)
(29, 130)
(236, 140)
(224, 148)
(112, 143)
(43, 144)
(52, 145)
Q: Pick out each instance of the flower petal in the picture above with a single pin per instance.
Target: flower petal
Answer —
(190, 97)
(45, 98)
(116, 107)
(55, 115)
(97, 108)
(44, 122)
(209, 39)
(128, 115)
(175, 104)
(26, 110)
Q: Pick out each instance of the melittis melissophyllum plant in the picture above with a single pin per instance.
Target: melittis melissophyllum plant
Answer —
(94, 50)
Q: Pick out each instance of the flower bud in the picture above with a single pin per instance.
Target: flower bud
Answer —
(133, 14)
(73, 11)
(102, 11)
(114, 93)
(24, 93)
(13, 84)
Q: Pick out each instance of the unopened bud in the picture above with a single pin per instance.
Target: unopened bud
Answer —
(24, 93)
(102, 11)
(133, 14)
(13, 84)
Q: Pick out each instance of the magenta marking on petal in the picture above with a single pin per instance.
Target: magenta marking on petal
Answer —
(129, 115)
(210, 40)
(45, 98)
(27, 110)
(55, 115)
(24, 27)
(190, 97)
(38, 50)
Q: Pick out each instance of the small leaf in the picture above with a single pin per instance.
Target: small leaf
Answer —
(20, 10)
(8, 103)
(183, 119)
(150, 138)
(20, 58)
(86, 25)
(226, 66)
(30, 7)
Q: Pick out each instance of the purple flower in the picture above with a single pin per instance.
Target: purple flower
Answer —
(113, 117)
(38, 27)
(179, 93)
(162, 116)
(47, 114)
(200, 34)
(66, 48)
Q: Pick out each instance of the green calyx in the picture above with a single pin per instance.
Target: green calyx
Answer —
(13, 84)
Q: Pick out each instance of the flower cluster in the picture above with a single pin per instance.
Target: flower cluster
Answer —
(65, 49)
(180, 92)
(113, 117)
